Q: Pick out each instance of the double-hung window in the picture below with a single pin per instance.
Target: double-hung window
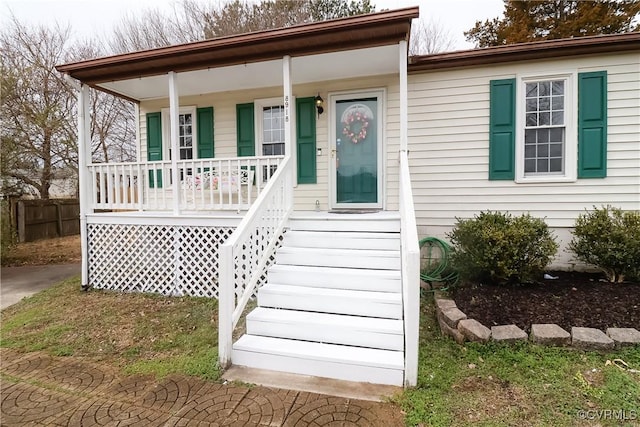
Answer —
(545, 128)
(187, 135)
(270, 124)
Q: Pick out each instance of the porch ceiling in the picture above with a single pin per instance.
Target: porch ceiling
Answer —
(304, 69)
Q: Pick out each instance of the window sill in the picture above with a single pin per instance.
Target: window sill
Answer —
(545, 179)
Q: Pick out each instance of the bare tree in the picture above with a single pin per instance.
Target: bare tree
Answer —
(192, 21)
(38, 135)
(429, 36)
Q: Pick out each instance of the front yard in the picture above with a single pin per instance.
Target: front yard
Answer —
(458, 386)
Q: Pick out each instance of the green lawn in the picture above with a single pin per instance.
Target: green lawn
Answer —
(485, 385)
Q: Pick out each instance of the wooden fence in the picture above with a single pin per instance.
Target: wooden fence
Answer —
(44, 219)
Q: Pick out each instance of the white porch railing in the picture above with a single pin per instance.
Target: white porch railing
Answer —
(205, 184)
(410, 264)
(245, 256)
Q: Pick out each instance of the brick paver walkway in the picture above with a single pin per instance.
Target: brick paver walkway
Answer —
(41, 390)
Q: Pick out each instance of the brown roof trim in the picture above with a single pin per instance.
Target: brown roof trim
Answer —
(527, 51)
(376, 29)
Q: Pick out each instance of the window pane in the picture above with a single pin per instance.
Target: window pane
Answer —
(555, 150)
(543, 136)
(181, 119)
(188, 141)
(530, 165)
(544, 119)
(545, 88)
(529, 136)
(545, 103)
(558, 87)
(532, 119)
(529, 151)
(556, 135)
(543, 150)
(557, 103)
(532, 105)
(557, 118)
(542, 165)
(555, 165)
(532, 89)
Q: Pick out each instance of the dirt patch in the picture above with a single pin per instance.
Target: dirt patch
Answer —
(61, 250)
(574, 299)
(494, 399)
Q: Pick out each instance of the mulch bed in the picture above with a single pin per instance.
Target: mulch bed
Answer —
(574, 299)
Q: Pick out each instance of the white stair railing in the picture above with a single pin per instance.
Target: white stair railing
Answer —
(244, 257)
(410, 262)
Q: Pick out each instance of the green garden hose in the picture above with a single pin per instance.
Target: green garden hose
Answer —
(434, 261)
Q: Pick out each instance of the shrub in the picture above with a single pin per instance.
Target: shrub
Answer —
(501, 248)
(609, 239)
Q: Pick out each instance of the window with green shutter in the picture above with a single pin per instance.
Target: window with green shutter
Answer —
(553, 138)
(592, 125)
(306, 140)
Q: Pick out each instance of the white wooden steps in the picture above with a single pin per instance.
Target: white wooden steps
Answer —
(332, 306)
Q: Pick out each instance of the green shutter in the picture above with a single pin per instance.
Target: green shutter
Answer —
(154, 146)
(245, 129)
(502, 135)
(306, 140)
(205, 133)
(592, 125)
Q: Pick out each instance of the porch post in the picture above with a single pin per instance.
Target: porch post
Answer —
(140, 188)
(174, 111)
(85, 189)
(403, 95)
(289, 145)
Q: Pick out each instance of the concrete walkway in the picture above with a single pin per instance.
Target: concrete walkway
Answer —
(38, 389)
(20, 282)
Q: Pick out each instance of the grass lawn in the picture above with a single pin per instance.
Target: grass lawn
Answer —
(490, 385)
(135, 333)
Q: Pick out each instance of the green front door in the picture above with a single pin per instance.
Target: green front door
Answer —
(357, 152)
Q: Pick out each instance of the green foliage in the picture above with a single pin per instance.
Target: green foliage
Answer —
(609, 239)
(501, 248)
(526, 21)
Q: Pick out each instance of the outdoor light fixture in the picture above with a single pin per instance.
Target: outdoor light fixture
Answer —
(319, 104)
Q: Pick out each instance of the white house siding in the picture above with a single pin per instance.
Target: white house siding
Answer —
(224, 105)
(449, 148)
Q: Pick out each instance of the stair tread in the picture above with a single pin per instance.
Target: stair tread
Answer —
(370, 253)
(393, 235)
(391, 297)
(390, 274)
(359, 323)
(388, 359)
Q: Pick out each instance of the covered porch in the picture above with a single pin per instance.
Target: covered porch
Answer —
(234, 136)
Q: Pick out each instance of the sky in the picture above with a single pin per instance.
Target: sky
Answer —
(96, 18)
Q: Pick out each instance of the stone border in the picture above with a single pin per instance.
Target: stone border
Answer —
(454, 323)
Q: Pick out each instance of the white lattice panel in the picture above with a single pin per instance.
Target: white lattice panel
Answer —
(164, 259)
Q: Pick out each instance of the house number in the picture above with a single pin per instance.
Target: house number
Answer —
(286, 109)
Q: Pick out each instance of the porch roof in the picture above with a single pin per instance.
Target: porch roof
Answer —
(365, 33)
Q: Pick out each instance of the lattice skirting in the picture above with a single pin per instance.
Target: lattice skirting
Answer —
(164, 259)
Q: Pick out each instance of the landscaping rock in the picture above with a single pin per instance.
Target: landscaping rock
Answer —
(443, 303)
(550, 334)
(590, 339)
(624, 336)
(452, 316)
(452, 332)
(508, 333)
(474, 330)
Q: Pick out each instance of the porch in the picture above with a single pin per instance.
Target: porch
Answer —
(205, 209)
